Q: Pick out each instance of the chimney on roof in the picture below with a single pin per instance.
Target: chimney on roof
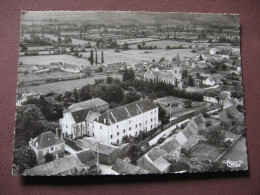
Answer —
(105, 120)
(36, 144)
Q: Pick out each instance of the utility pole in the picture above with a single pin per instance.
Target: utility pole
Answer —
(170, 115)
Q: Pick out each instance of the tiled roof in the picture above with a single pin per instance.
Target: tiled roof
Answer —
(96, 102)
(127, 111)
(180, 137)
(80, 115)
(56, 167)
(155, 153)
(161, 163)
(105, 149)
(47, 139)
(232, 110)
(170, 145)
(123, 167)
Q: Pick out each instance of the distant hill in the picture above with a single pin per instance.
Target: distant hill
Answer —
(131, 18)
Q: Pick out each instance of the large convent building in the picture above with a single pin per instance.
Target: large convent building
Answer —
(173, 76)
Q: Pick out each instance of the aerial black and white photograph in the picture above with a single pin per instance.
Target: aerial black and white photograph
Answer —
(123, 93)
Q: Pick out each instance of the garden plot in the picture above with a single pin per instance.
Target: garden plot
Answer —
(205, 151)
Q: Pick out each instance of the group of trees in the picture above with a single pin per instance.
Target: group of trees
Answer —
(161, 89)
(30, 122)
(92, 60)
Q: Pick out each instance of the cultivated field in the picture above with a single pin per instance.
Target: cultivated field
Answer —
(55, 38)
(48, 75)
(164, 43)
(135, 56)
(46, 60)
(60, 87)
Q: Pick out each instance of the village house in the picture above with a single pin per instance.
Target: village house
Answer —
(229, 102)
(125, 168)
(189, 137)
(80, 163)
(78, 119)
(107, 153)
(24, 97)
(47, 143)
(128, 120)
(173, 77)
(213, 97)
(209, 81)
(227, 91)
(155, 161)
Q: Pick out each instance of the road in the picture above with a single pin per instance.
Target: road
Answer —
(60, 87)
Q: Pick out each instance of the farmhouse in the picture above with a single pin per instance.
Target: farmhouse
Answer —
(46, 143)
(128, 120)
(173, 77)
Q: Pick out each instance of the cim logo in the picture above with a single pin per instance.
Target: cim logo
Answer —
(233, 164)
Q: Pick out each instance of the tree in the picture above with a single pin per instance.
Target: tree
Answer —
(128, 75)
(87, 71)
(126, 139)
(102, 57)
(109, 80)
(190, 81)
(185, 74)
(96, 61)
(23, 158)
(76, 95)
(134, 153)
(130, 97)
(59, 40)
(113, 93)
(91, 58)
(161, 60)
(125, 46)
(85, 93)
(215, 136)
